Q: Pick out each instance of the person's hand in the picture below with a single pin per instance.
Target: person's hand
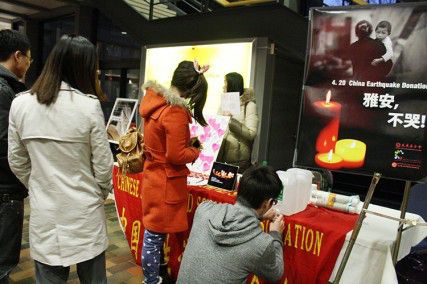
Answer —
(377, 61)
(226, 113)
(278, 225)
(271, 214)
(195, 142)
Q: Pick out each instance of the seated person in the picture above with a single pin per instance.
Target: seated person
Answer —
(227, 243)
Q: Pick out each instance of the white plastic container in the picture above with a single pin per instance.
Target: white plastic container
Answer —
(296, 190)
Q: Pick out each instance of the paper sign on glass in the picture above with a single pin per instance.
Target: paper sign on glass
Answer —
(211, 138)
(120, 118)
(230, 102)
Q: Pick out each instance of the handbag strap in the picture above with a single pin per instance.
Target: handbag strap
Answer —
(140, 126)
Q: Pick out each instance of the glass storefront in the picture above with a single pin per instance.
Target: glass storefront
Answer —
(119, 61)
(52, 32)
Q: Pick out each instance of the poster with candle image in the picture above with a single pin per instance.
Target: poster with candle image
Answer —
(365, 91)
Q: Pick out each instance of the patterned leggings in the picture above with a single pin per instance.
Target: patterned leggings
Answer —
(151, 250)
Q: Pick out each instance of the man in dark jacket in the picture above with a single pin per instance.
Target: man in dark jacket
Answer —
(226, 241)
(15, 59)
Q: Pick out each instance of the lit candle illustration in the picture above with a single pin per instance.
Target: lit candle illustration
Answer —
(352, 152)
(328, 114)
(329, 160)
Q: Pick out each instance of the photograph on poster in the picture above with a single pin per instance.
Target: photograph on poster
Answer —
(120, 118)
(364, 94)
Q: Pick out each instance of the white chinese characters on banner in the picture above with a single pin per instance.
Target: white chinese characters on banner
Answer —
(415, 120)
(211, 138)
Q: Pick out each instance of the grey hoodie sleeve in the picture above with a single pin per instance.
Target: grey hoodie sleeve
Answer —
(270, 266)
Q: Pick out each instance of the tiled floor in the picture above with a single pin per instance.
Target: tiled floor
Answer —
(121, 268)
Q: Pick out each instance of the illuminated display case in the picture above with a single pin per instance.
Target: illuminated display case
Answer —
(245, 56)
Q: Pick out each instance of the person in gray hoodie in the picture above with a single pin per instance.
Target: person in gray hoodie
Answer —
(227, 243)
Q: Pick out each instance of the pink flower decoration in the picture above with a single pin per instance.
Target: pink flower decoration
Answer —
(206, 167)
(215, 147)
(193, 130)
(215, 126)
(207, 130)
(202, 157)
(220, 132)
(205, 158)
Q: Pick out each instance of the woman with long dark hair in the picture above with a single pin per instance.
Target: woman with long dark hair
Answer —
(59, 150)
(167, 114)
(237, 145)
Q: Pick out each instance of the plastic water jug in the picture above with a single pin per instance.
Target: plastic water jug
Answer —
(296, 190)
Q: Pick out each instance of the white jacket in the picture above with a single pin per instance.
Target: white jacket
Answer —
(61, 154)
(237, 145)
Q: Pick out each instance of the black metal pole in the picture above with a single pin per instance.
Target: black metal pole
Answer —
(403, 208)
(150, 15)
(356, 229)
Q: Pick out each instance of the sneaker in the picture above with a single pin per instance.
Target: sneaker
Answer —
(158, 282)
(163, 272)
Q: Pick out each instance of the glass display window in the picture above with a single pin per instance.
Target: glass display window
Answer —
(222, 58)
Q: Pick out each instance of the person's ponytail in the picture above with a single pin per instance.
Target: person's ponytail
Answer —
(198, 99)
(193, 86)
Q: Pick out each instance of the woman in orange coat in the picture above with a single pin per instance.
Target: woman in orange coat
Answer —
(167, 114)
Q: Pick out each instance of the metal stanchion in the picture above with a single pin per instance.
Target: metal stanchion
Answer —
(151, 11)
(356, 229)
(403, 208)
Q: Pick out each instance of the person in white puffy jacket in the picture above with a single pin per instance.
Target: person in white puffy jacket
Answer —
(58, 149)
(237, 144)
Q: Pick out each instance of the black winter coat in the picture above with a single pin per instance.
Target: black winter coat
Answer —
(9, 87)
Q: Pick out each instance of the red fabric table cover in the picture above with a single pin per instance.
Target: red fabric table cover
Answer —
(312, 238)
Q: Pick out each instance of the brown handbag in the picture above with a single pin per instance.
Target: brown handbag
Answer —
(131, 157)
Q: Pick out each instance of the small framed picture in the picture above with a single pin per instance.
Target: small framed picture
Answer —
(120, 118)
(223, 176)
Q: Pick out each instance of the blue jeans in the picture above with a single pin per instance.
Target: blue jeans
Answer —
(151, 251)
(11, 222)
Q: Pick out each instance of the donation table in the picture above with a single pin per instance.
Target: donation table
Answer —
(371, 257)
(313, 239)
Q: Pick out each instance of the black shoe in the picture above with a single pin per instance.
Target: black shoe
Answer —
(163, 272)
